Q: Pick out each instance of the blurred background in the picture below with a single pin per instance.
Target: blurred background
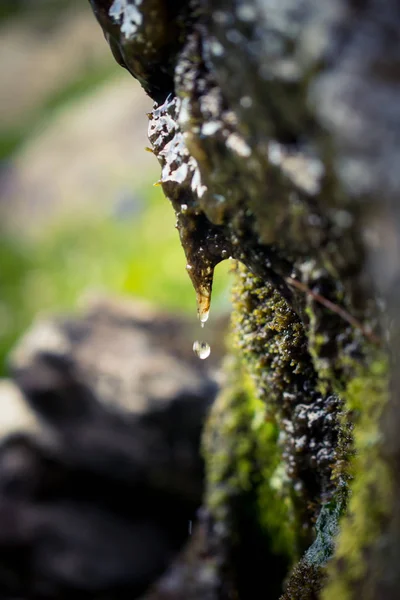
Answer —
(78, 209)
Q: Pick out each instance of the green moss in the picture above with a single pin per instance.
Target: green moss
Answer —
(370, 498)
(270, 337)
(305, 582)
(328, 356)
(243, 461)
(273, 343)
(316, 342)
(274, 441)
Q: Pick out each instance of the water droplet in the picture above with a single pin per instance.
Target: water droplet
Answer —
(203, 304)
(203, 316)
(201, 349)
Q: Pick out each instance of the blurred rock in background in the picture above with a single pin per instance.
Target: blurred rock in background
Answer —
(100, 472)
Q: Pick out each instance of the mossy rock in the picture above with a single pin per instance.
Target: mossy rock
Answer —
(267, 158)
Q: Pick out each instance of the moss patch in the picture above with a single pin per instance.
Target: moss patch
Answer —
(243, 458)
(274, 346)
(254, 518)
(370, 499)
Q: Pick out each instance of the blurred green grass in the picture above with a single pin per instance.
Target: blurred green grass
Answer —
(134, 252)
(137, 255)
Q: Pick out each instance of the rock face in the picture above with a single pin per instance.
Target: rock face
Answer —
(277, 128)
(100, 469)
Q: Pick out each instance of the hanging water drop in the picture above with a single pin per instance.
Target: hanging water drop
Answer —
(201, 349)
(203, 316)
(203, 297)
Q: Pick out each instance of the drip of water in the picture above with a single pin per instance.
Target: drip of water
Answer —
(204, 317)
(203, 307)
(201, 349)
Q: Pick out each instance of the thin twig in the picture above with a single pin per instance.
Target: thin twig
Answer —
(336, 309)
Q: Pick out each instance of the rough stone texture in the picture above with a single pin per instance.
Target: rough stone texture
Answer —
(100, 471)
(277, 126)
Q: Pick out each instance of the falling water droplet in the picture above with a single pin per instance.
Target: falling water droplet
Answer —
(201, 349)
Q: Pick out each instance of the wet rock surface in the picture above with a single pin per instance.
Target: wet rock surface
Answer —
(277, 130)
(101, 477)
